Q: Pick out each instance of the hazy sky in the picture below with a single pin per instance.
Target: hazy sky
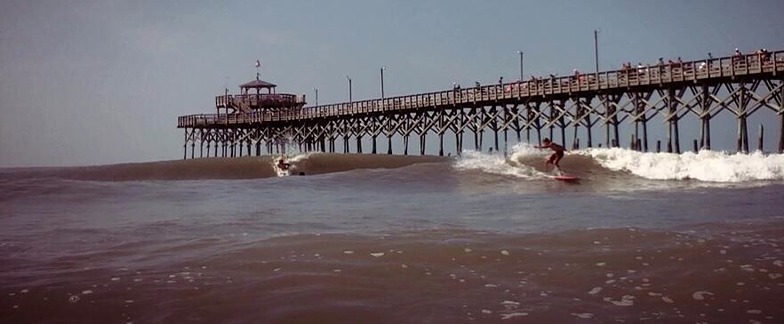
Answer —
(98, 82)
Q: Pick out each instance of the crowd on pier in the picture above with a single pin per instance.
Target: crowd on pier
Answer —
(629, 71)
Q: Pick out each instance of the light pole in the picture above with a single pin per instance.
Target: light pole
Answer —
(349, 88)
(316, 89)
(596, 49)
(382, 81)
(521, 65)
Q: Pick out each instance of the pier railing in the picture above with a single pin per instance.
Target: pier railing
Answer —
(770, 63)
(256, 99)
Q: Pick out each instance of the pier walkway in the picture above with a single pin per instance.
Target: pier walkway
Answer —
(741, 84)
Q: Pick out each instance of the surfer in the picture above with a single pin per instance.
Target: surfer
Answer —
(282, 164)
(557, 155)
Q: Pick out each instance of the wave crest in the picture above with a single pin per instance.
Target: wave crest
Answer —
(527, 162)
(222, 168)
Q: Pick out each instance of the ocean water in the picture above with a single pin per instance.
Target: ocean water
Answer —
(480, 238)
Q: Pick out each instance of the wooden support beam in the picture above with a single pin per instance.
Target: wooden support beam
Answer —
(760, 138)
(781, 132)
(441, 144)
(459, 142)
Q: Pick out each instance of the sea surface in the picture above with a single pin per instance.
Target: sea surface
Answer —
(479, 238)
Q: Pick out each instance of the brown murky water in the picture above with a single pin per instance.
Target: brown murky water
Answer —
(407, 240)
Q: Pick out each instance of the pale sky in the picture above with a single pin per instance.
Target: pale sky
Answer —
(100, 82)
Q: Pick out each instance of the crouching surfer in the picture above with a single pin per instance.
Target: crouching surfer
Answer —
(283, 164)
(558, 153)
(284, 167)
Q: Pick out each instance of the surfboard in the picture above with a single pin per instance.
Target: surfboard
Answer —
(566, 178)
(283, 173)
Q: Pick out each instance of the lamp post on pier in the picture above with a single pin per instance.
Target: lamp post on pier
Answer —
(382, 81)
(316, 90)
(521, 65)
(596, 50)
(349, 89)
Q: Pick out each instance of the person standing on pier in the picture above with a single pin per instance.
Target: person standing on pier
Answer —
(736, 57)
(558, 152)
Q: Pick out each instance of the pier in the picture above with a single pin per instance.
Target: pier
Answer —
(567, 109)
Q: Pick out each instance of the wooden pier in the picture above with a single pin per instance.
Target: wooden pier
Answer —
(740, 85)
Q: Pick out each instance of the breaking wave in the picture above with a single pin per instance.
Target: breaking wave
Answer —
(709, 166)
(527, 162)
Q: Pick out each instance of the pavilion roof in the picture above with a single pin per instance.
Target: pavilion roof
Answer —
(257, 84)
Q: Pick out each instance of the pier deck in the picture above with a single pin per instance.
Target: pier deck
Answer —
(749, 82)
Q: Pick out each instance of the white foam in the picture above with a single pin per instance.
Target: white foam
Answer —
(623, 302)
(700, 295)
(510, 303)
(706, 165)
(583, 315)
(497, 163)
(512, 315)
